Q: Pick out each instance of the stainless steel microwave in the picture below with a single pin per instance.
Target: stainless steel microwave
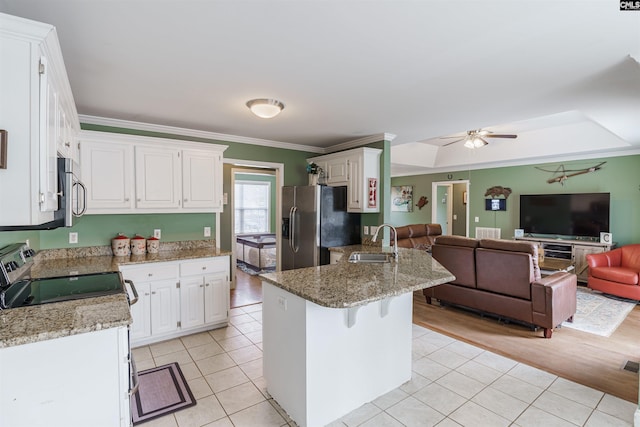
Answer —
(72, 201)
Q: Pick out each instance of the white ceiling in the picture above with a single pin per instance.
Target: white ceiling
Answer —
(563, 75)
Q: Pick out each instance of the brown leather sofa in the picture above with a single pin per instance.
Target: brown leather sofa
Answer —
(502, 277)
(616, 272)
(417, 236)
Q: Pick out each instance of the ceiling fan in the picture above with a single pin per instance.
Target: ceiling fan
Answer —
(477, 138)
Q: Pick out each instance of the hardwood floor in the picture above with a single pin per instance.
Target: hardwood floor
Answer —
(585, 358)
(248, 290)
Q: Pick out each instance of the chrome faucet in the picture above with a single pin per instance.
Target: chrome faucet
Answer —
(395, 238)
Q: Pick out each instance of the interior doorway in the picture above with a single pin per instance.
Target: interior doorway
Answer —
(246, 286)
(450, 208)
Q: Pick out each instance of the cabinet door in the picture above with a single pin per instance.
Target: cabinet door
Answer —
(107, 171)
(337, 171)
(355, 185)
(49, 131)
(141, 313)
(581, 266)
(202, 180)
(216, 298)
(164, 306)
(191, 302)
(157, 177)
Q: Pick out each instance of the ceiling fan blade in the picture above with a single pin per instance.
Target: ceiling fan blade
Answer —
(491, 135)
(453, 142)
(451, 137)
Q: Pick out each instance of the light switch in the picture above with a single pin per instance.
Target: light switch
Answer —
(477, 219)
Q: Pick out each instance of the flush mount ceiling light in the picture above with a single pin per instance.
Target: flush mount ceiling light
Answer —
(265, 108)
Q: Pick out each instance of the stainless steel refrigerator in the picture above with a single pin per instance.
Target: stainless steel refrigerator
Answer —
(314, 219)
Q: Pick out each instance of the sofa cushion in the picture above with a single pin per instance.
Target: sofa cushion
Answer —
(620, 275)
(516, 246)
(457, 255)
(504, 272)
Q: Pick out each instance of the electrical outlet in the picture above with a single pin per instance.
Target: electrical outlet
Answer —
(282, 303)
(73, 237)
(207, 232)
(477, 219)
(373, 229)
(366, 230)
(157, 233)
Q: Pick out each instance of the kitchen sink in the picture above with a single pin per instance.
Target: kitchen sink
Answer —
(370, 257)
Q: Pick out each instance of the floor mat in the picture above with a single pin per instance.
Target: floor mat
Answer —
(598, 314)
(162, 390)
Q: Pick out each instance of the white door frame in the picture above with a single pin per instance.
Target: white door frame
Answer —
(279, 173)
(434, 206)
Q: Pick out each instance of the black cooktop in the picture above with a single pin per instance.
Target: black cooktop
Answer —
(55, 289)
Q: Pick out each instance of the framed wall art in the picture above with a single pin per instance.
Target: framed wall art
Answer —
(402, 198)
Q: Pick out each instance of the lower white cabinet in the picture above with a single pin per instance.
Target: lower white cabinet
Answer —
(73, 381)
(178, 298)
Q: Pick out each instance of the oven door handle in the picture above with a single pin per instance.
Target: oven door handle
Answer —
(135, 381)
(133, 290)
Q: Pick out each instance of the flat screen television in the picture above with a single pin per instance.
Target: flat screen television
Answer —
(577, 215)
(495, 204)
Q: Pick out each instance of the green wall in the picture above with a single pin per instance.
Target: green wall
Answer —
(619, 176)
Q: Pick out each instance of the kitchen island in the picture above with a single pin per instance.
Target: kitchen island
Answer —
(338, 336)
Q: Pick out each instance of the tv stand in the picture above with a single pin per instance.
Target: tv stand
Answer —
(575, 251)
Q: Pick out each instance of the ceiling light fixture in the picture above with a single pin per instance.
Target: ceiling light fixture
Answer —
(265, 108)
(474, 140)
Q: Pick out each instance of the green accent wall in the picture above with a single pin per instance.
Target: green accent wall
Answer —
(619, 176)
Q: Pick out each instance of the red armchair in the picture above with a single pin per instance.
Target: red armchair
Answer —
(616, 272)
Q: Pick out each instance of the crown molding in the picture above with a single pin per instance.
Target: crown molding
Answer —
(360, 142)
(173, 130)
(179, 131)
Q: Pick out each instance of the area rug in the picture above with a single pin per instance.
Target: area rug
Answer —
(162, 390)
(598, 314)
(242, 266)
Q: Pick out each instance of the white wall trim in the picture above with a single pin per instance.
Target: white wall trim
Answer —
(179, 131)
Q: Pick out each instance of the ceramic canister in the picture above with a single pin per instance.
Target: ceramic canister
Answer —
(153, 245)
(121, 245)
(138, 245)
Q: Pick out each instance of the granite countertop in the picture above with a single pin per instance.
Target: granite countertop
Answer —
(345, 284)
(48, 321)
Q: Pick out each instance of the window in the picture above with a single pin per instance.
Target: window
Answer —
(252, 206)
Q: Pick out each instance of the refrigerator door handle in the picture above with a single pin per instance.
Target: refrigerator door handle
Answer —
(292, 233)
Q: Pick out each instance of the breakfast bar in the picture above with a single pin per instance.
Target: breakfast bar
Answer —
(338, 336)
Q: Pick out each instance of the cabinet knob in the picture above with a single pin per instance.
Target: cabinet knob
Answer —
(146, 293)
(126, 200)
(201, 286)
(150, 274)
(204, 268)
(186, 200)
(206, 284)
(139, 200)
(153, 292)
(67, 144)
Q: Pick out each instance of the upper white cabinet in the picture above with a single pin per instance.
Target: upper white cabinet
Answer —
(38, 113)
(359, 170)
(200, 166)
(157, 177)
(133, 174)
(107, 172)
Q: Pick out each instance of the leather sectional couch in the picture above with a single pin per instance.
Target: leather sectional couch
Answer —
(417, 236)
(502, 277)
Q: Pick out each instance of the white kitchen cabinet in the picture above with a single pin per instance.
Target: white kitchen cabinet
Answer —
(141, 312)
(204, 291)
(134, 174)
(359, 170)
(337, 171)
(73, 381)
(201, 183)
(178, 298)
(107, 172)
(158, 174)
(155, 316)
(35, 90)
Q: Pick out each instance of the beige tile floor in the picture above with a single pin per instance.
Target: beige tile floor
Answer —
(453, 384)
